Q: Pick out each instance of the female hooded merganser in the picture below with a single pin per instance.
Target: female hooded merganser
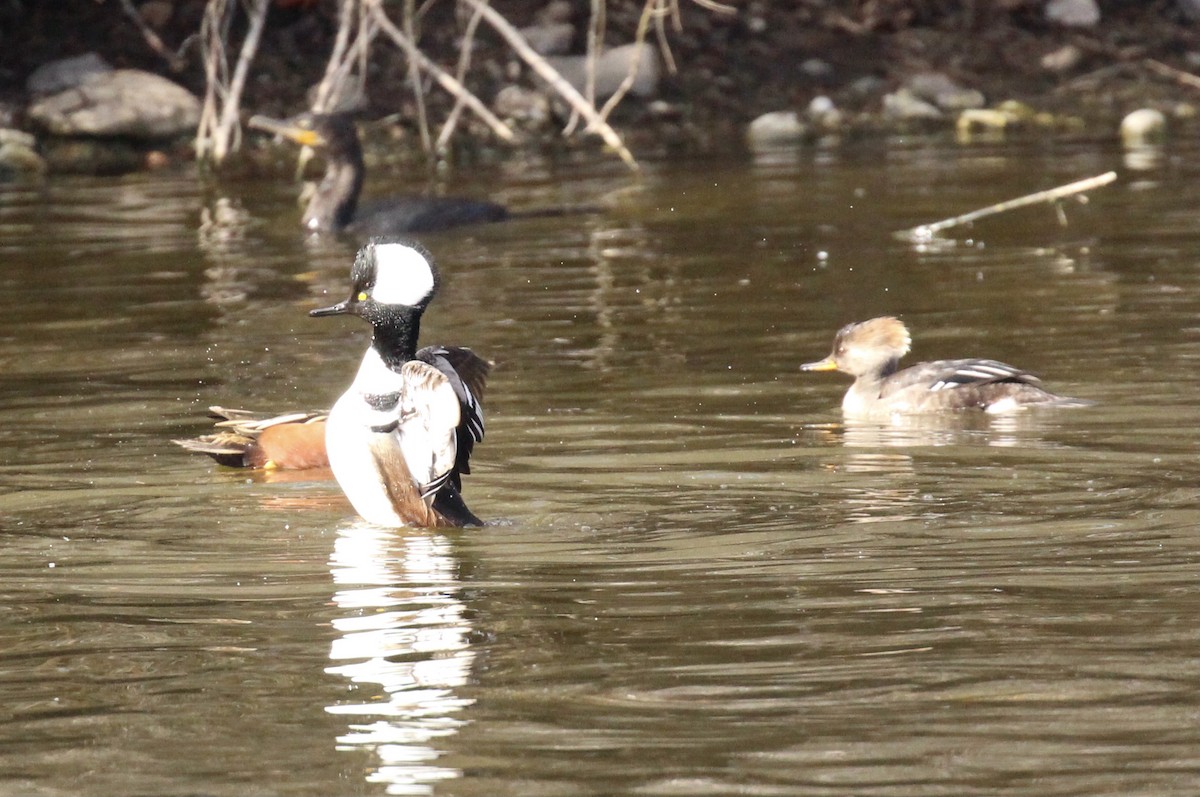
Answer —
(295, 441)
(400, 438)
(871, 350)
(334, 206)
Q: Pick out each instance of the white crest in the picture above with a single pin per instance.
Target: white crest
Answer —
(402, 275)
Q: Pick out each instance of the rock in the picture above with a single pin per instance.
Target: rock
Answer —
(775, 128)
(1064, 59)
(823, 114)
(522, 106)
(611, 69)
(904, 106)
(1190, 9)
(18, 154)
(818, 70)
(984, 121)
(156, 13)
(1143, 126)
(940, 90)
(552, 39)
(554, 12)
(1073, 13)
(67, 73)
(126, 102)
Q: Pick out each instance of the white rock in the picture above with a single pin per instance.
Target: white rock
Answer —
(1073, 13)
(1142, 126)
(777, 127)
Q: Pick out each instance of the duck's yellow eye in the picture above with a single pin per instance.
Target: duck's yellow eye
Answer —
(362, 296)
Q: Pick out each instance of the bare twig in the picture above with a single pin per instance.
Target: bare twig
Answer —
(719, 8)
(564, 89)
(332, 90)
(464, 63)
(597, 22)
(219, 131)
(925, 232)
(446, 81)
(414, 75)
(660, 33)
(1178, 75)
(652, 9)
(155, 43)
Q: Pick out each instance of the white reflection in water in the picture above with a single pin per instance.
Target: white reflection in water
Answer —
(404, 629)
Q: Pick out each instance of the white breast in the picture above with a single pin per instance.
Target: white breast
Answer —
(422, 430)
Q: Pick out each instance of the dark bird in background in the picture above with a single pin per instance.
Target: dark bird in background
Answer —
(335, 206)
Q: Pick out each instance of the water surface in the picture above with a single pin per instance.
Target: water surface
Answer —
(697, 579)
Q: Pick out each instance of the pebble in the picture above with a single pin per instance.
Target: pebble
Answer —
(904, 106)
(775, 128)
(1142, 127)
(1073, 13)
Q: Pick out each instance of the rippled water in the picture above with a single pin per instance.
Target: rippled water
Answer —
(697, 580)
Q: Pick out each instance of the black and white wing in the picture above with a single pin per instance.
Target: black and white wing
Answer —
(466, 373)
(945, 375)
(428, 417)
(957, 373)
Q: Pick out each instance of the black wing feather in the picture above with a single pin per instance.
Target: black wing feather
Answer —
(467, 373)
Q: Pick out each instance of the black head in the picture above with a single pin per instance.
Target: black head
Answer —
(389, 277)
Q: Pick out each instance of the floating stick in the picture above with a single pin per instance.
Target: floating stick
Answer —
(925, 232)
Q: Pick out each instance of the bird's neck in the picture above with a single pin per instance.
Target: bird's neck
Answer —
(334, 204)
(396, 340)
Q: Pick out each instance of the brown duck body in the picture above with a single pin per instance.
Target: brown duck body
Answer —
(293, 441)
(871, 350)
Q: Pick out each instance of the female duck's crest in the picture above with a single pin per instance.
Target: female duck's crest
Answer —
(866, 346)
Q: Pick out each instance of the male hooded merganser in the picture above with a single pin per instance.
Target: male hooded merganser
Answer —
(400, 438)
(295, 441)
(334, 207)
(871, 350)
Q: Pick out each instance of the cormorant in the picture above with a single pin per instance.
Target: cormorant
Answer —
(334, 207)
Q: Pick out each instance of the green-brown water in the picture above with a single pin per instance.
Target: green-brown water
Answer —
(697, 580)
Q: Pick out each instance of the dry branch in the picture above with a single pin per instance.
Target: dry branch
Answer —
(445, 80)
(925, 232)
(1178, 75)
(564, 89)
(219, 128)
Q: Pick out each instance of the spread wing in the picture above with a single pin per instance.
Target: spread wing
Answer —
(428, 417)
(467, 374)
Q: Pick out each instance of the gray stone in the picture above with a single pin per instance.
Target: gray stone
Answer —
(816, 69)
(824, 114)
(1073, 13)
(18, 154)
(611, 69)
(776, 127)
(1064, 59)
(940, 90)
(522, 106)
(904, 106)
(126, 102)
(550, 39)
(67, 73)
